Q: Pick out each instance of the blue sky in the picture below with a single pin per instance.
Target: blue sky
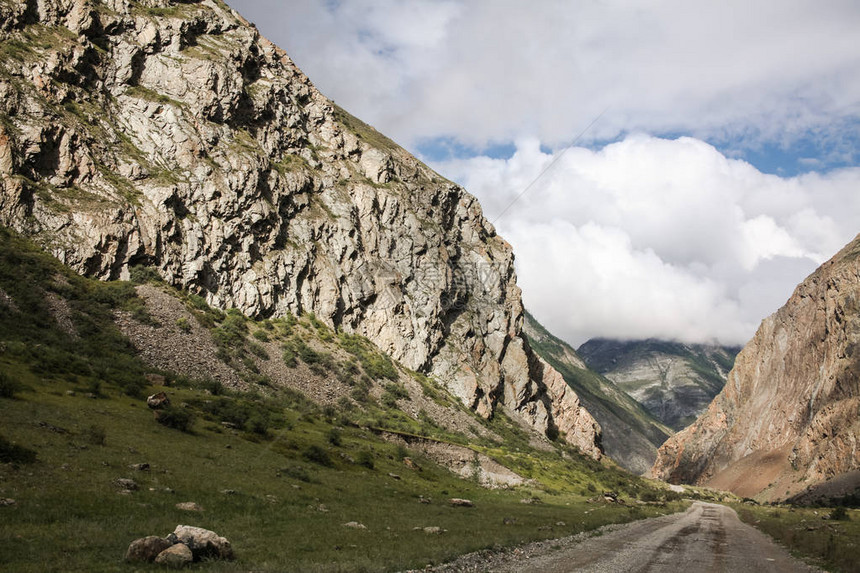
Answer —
(723, 167)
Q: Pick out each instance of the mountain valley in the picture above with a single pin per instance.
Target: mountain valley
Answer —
(226, 301)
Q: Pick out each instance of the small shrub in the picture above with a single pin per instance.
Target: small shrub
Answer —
(317, 455)
(214, 387)
(175, 418)
(96, 435)
(289, 357)
(140, 274)
(258, 424)
(345, 404)
(183, 324)
(365, 458)
(262, 335)
(378, 366)
(8, 386)
(14, 454)
(840, 514)
(359, 394)
(257, 350)
(296, 472)
(401, 452)
(334, 437)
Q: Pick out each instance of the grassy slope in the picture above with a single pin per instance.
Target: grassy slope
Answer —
(831, 544)
(614, 410)
(78, 403)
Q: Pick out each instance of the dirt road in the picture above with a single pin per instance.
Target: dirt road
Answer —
(706, 538)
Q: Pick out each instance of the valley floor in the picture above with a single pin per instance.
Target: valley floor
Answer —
(707, 537)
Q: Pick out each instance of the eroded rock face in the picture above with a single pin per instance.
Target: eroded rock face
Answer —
(674, 381)
(787, 418)
(172, 134)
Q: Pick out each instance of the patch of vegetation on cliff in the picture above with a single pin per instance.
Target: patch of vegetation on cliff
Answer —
(267, 465)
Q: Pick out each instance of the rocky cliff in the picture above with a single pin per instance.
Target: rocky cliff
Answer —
(171, 134)
(675, 382)
(631, 435)
(787, 418)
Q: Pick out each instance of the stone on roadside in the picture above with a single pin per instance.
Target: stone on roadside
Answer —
(146, 549)
(175, 556)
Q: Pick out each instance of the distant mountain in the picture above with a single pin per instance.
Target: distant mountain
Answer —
(675, 382)
(787, 420)
(630, 434)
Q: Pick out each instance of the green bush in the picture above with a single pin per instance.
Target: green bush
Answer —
(14, 454)
(840, 514)
(289, 356)
(257, 350)
(317, 455)
(140, 274)
(8, 386)
(183, 324)
(334, 437)
(258, 424)
(262, 335)
(365, 458)
(96, 435)
(176, 418)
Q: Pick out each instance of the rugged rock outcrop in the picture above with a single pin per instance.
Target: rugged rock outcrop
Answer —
(675, 382)
(171, 134)
(630, 435)
(787, 418)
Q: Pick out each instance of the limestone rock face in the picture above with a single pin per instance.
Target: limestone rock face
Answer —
(787, 418)
(171, 134)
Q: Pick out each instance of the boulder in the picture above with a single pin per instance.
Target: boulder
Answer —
(126, 484)
(158, 401)
(458, 502)
(146, 549)
(175, 556)
(202, 542)
(354, 525)
(188, 506)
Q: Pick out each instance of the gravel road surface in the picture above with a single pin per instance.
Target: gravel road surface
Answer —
(706, 538)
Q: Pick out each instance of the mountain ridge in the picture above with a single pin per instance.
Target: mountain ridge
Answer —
(630, 434)
(674, 381)
(173, 135)
(786, 421)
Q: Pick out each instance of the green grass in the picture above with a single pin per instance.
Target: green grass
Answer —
(70, 517)
(73, 419)
(832, 544)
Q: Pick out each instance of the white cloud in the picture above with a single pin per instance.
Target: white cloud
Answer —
(657, 237)
(648, 236)
(482, 70)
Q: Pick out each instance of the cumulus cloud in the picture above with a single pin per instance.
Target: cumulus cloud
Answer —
(657, 237)
(648, 236)
(494, 70)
